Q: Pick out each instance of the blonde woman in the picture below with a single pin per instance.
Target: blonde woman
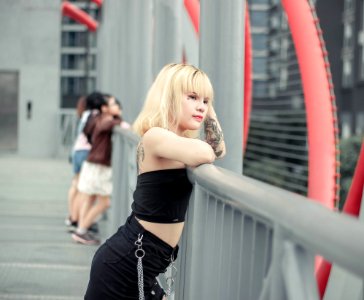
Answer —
(178, 104)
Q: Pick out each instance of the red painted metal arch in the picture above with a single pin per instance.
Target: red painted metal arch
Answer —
(248, 84)
(352, 207)
(193, 10)
(79, 15)
(320, 111)
(318, 94)
(353, 200)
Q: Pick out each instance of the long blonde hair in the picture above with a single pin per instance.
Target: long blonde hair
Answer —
(163, 102)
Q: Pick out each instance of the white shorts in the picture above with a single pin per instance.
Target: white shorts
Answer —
(95, 179)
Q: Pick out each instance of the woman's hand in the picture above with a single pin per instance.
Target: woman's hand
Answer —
(213, 132)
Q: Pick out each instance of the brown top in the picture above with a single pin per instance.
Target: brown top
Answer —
(100, 127)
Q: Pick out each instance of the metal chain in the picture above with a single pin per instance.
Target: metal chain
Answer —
(139, 253)
(171, 278)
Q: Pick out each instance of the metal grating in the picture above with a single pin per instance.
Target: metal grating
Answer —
(276, 150)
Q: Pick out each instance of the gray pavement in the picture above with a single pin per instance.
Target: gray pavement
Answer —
(38, 259)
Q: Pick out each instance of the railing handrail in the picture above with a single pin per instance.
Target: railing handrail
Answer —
(129, 134)
(66, 119)
(66, 111)
(286, 209)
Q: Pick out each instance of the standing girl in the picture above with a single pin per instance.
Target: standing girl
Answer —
(178, 103)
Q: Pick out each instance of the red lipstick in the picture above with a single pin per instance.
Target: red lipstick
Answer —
(198, 118)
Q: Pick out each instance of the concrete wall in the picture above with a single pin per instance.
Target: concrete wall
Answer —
(190, 39)
(30, 42)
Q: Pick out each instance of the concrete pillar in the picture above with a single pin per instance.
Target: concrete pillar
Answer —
(222, 58)
(190, 39)
(104, 42)
(167, 41)
(125, 49)
(125, 53)
(140, 55)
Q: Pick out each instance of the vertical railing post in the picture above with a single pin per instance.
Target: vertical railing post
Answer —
(298, 272)
(131, 169)
(341, 283)
(124, 177)
(124, 182)
(116, 203)
(273, 287)
(194, 246)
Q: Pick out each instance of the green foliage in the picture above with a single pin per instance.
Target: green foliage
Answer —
(266, 170)
(349, 149)
(276, 172)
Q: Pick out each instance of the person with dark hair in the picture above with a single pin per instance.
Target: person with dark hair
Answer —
(81, 148)
(123, 124)
(95, 176)
(178, 104)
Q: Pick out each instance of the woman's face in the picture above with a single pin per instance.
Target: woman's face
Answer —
(193, 112)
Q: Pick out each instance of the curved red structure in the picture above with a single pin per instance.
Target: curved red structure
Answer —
(79, 15)
(318, 94)
(353, 200)
(193, 9)
(352, 207)
(320, 110)
(247, 77)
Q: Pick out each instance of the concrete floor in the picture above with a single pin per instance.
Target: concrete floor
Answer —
(38, 259)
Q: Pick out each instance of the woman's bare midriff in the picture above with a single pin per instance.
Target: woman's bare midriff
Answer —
(169, 233)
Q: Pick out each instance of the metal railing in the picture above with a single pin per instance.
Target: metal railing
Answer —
(66, 130)
(124, 177)
(245, 239)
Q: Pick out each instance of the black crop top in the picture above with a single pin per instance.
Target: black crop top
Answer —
(162, 196)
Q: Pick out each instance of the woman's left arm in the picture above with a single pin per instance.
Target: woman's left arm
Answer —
(213, 133)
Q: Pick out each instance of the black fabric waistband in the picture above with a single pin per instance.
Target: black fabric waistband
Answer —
(137, 228)
(160, 219)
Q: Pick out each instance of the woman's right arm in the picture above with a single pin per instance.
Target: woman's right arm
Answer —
(166, 144)
(213, 132)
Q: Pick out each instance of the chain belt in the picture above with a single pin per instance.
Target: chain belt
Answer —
(170, 279)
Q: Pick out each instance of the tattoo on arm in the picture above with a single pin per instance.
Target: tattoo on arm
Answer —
(140, 155)
(214, 135)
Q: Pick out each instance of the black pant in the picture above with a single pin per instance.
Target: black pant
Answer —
(114, 267)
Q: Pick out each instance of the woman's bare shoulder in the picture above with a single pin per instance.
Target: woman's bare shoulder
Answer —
(155, 131)
(156, 134)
